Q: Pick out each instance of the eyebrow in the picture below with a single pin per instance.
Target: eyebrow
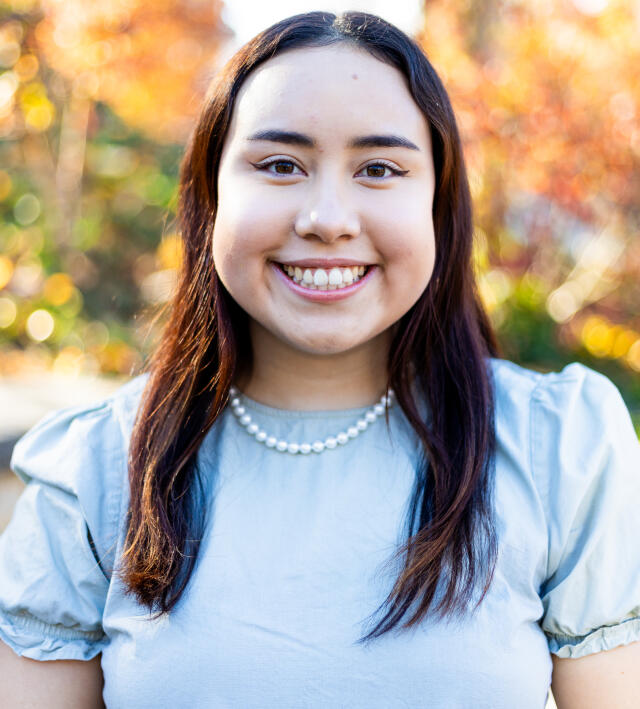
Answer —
(304, 141)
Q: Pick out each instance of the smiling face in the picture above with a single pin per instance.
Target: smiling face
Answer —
(324, 231)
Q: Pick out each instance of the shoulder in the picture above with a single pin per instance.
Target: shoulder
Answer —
(75, 431)
(576, 440)
(514, 381)
(564, 417)
(81, 451)
(64, 527)
(584, 449)
(578, 416)
(575, 396)
(567, 430)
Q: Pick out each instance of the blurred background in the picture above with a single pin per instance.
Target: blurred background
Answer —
(97, 100)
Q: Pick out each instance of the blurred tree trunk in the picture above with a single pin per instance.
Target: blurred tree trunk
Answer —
(71, 155)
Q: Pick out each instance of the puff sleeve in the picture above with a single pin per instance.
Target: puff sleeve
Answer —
(586, 459)
(57, 551)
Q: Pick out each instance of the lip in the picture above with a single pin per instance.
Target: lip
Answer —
(325, 263)
(323, 296)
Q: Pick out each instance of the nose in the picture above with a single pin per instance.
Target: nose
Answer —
(328, 214)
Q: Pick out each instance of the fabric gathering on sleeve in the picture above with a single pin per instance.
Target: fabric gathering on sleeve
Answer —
(56, 554)
(586, 462)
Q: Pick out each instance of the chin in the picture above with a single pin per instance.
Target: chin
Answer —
(325, 345)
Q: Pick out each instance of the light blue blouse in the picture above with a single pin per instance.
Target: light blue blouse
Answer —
(291, 565)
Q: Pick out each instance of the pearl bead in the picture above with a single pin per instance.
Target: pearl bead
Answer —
(331, 442)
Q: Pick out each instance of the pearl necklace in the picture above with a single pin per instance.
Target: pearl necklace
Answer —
(282, 446)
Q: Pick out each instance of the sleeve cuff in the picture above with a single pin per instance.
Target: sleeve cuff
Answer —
(30, 637)
(605, 638)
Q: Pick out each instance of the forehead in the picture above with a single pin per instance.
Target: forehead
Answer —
(336, 89)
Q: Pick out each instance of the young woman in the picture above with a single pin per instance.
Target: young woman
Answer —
(328, 490)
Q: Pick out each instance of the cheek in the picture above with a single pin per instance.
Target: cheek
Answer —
(250, 225)
(408, 243)
(240, 238)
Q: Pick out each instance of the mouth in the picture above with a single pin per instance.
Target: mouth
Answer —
(324, 279)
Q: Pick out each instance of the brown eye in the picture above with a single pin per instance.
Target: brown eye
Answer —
(376, 170)
(283, 168)
(277, 167)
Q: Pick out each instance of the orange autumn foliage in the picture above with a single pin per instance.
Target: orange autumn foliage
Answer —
(150, 61)
(548, 98)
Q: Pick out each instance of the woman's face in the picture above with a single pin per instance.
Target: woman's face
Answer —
(324, 233)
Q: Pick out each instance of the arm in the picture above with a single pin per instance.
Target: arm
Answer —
(60, 684)
(604, 679)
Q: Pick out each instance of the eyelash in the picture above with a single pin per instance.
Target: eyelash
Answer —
(266, 165)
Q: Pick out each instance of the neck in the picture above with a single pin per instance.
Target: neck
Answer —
(287, 378)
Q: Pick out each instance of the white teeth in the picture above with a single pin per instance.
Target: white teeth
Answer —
(320, 279)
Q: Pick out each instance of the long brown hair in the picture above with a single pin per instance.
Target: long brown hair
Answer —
(440, 352)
